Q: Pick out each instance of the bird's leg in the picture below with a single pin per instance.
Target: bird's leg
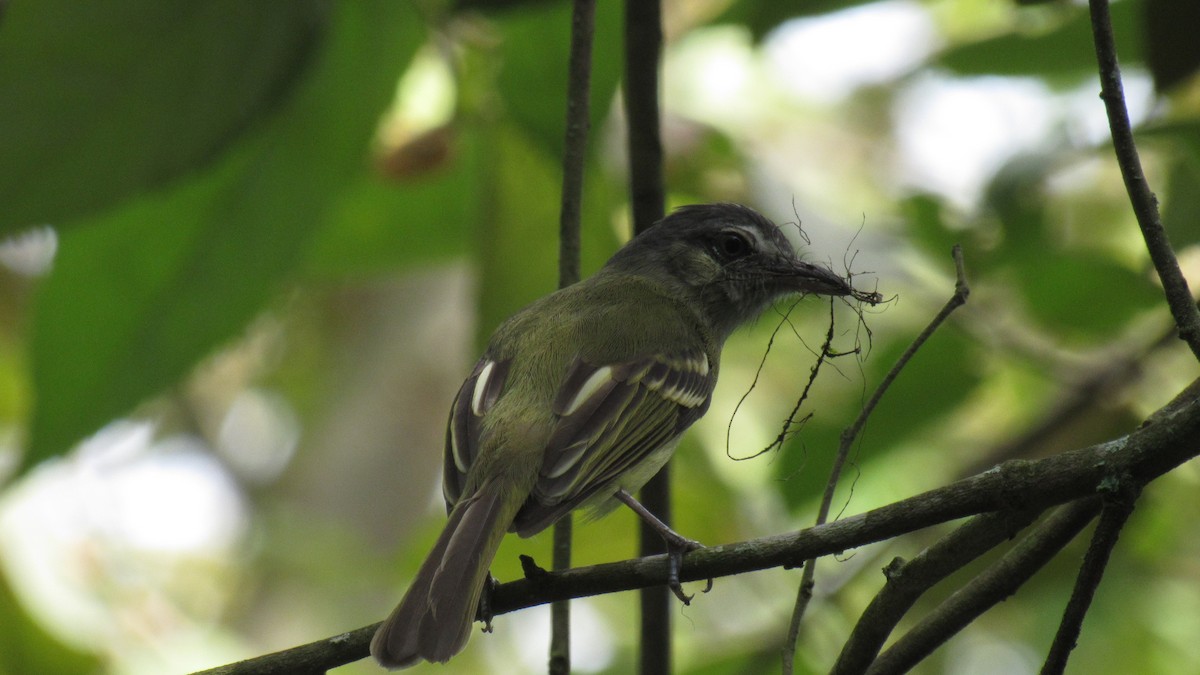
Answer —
(677, 545)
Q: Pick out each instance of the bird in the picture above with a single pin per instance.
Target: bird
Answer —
(581, 397)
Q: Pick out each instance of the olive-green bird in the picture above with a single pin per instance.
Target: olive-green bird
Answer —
(581, 397)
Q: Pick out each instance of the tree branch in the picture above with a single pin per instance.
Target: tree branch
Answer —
(996, 583)
(1113, 517)
(1145, 205)
(907, 581)
(1167, 439)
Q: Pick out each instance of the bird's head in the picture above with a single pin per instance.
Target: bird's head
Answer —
(729, 260)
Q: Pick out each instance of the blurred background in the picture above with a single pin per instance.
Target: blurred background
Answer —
(248, 251)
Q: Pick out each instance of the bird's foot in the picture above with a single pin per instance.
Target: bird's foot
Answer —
(677, 546)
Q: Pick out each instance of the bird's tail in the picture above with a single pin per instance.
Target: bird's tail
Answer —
(433, 621)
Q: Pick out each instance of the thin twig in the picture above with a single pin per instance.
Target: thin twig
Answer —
(997, 582)
(574, 154)
(961, 291)
(1145, 205)
(1117, 507)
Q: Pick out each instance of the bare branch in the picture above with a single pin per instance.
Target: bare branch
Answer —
(996, 583)
(1117, 507)
(1163, 442)
(907, 581)
(574, 154)
(1145, 205)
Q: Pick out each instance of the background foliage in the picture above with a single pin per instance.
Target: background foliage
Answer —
(257, 245)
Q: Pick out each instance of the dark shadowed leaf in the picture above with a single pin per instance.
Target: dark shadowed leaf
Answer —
(1083, 295)
(1172, 47)
(101, 101)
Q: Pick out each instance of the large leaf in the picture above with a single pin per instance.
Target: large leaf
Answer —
(1172, 50)
(518, 255)
(533, 82)
(378, 224)
(139, 295)
(102, 100)
(1084, 295)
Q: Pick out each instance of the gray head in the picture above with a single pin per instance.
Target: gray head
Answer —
(729, 259)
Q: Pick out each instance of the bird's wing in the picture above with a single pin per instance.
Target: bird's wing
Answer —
(610, 418)
(477, 395)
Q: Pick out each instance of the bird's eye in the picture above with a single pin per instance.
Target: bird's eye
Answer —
(731, 245)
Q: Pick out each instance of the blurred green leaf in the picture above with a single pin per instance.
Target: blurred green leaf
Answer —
(924, 215)
(1172, 50)
(1181, 213)
(1083, 295)
(533, 82)
(378, 224)
(518, 247)
(1016, 195)
(100, 101)
(1064, 54)
(937, 380)
(139, 295)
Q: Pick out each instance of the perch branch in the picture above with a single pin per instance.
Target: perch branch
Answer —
(1166, 440)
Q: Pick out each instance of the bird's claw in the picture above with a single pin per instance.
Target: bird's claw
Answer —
(676, 547)
(485, 612)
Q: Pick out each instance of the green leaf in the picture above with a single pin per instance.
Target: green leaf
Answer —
(533, 82)
(936, 381)
(100, 101)
(1181, 213)
(763, 16)
(1063, 54)
(518, 255)
(378, 225)
(1084, 295)
(138, 296)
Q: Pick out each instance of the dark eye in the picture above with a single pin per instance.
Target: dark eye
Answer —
(731, 245)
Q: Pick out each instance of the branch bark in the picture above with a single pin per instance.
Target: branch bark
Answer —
(1145, 205)
(1167, 439)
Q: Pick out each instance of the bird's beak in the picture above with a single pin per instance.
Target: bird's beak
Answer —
(809, 278)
